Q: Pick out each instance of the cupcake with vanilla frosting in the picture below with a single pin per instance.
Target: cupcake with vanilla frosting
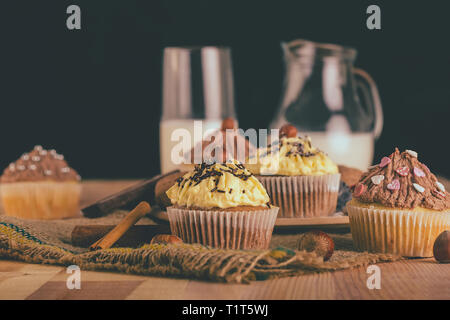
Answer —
(40, 185)
(399, 207)
(221, 205)
(299, 178)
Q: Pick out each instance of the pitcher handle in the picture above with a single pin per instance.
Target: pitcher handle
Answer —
(371, 96)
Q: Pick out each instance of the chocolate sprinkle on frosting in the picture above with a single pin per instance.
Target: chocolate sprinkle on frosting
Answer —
(408, 196)
(298, 148)
(207, 170)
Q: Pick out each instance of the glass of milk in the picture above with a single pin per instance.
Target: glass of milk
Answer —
(197, 95)
(325, 97)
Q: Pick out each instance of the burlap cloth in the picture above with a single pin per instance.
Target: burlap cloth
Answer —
(49, 242)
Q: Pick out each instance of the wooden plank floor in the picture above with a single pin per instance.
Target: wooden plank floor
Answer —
(409, 279)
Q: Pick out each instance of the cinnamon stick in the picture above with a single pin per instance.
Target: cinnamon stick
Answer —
(84, 236)
(130, 219)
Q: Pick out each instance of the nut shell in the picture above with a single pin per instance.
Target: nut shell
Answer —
(165, 239)
(318, 242)
(162, 186)
(441, 247)
(229, 123)
(288, 130)
(350, 176)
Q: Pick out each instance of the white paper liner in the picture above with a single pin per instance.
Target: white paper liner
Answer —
(224, 229)
(41, 199)
(406, 233)
(303, 196)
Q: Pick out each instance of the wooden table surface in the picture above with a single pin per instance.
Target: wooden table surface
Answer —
(409, 279)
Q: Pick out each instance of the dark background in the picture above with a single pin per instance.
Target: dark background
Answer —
(95, 94)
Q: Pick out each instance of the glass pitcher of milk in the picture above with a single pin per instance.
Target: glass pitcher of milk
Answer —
(197, 95)
(325, 97)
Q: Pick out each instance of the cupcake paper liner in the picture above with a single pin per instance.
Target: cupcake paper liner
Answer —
(224, 229)
(410, 234)
(303, 196)
(41, 200)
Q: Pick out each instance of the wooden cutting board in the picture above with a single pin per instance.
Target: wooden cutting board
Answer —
(322, 221)
(332, 222)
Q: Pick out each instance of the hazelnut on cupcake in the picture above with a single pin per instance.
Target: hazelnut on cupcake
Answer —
(221, 205)
(399, 207)
(299, 178)
(40, 185)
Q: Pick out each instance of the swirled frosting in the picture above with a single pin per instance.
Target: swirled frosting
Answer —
(39, 165)
(401, 181)
(221, 145)
(291, 156)
(218, 185)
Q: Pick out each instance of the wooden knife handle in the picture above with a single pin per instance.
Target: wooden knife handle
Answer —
(129, 197)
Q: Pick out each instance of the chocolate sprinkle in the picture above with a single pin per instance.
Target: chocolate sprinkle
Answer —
(207, 170)
(298, 149)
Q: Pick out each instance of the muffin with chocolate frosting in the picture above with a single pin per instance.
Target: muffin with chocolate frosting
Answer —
(221, 205)
(301, 179)
(40, 185)
(399, 207)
